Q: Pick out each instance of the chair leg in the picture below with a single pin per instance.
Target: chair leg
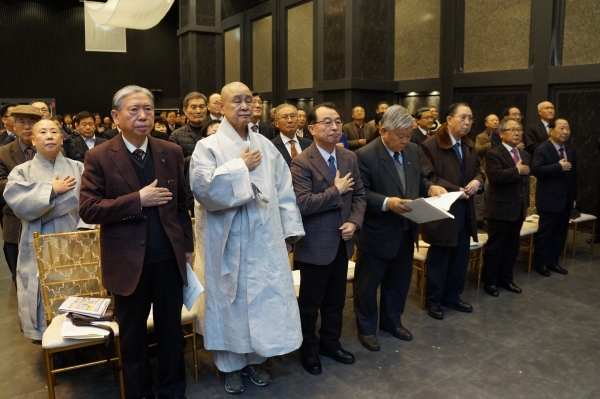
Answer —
(593, 237)
(422, 288)
(574, 238)
(49, 375)
(530, 254)
(479, 268)
(195, 350)
(117, 342)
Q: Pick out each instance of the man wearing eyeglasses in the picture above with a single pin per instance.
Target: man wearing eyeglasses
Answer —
(288, 143)
(540, 132)
(332, 201)
(255, 124)
(86, 140)
(11, 155)
(424, 123)
(555, 167)
(358, 131)
(507, 170)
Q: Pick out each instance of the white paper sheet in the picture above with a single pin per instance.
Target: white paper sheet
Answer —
(193, 289)
(69, 330)
(445, 201)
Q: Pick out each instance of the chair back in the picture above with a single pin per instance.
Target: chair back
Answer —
(68, 265)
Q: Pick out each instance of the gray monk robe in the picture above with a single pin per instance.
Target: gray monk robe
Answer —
(29, 194)
(242, 220)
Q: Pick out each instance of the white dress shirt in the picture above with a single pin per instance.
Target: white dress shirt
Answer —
(286, 141)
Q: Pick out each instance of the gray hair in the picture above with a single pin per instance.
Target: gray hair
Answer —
(281, 106)
(119, 97)
(540, 105)
(396, 117)
(502, 125)
(194, 96)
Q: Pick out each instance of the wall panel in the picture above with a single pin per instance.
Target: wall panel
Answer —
(232, 55)
(581, 32)
(300, 46)
(262, 54)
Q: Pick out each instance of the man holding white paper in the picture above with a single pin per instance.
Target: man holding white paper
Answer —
(450, 160)
(390, 169)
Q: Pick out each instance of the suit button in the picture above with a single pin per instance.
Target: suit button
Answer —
(142, 242)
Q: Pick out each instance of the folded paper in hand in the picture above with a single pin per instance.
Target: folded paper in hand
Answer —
(433, 208)
(193, 289)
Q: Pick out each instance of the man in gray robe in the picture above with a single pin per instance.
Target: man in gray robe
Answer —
(246, 216)
(44, 194)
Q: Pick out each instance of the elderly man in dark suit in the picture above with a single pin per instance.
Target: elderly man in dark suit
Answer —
(540, 132)
(134, 187)
(390, 168)
(332, 202)
(194, 106)
(358, 131)
(449, 159)
(555, 167)
(86, 140)
(11, 155)
(287, 142)
(424, 124)
(507, 170)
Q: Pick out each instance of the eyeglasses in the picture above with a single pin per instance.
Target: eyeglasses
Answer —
(514, 130)
(195, 107)
(290, 117)
(516, 115)
(563, 129)
(329, 122)
(87, 124)
(465, 117)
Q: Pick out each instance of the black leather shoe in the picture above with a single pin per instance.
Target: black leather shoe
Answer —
(557, 269)
(511, 287)
(340, 355)
(491, 290)
(543, 270)
(460, 306)
(398, 332)
(435, 311)
(369, 341)
(312, 365)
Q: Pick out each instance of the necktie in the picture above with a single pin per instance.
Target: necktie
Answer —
(361, 132)
(139, 154)
(254, 128)
(457, 151)
(29, 152)
(300, 133)
(293, 151)
(398, 157)
(331, 163)
(427, 135)
(515, 155)
(561, 153)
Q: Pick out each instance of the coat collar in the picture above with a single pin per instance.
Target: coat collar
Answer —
(442, 136)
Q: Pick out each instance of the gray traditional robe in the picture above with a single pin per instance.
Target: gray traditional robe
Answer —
(29, 194)
(242, 220)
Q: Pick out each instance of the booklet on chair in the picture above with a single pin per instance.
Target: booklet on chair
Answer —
(69, 330)
(88, 306)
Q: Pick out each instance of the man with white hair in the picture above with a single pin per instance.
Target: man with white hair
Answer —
(246, 221)
(540, 132)
(390, 169)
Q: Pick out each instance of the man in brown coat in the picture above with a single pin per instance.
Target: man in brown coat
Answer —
(449, 160)
(11, 155)
(134, 187)
(332, 202)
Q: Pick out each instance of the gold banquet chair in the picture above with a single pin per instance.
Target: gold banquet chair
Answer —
(69, 265)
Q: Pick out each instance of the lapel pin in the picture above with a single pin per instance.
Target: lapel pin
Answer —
(163, 161)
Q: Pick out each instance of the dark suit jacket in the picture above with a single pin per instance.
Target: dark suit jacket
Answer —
(159, 135)
(169, 130)
(322, 207)
(109, 134)
(110, 197)
(266, 130)
(534, 136)
(10, 156)
(306, 134)
(418, 137)
(81, 147)
(508, 191)
(441, 166)
(381, 232)
(554, 188)
(352, 134)
(278, 142)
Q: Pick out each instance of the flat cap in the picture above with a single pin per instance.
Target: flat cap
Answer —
(27, 110)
